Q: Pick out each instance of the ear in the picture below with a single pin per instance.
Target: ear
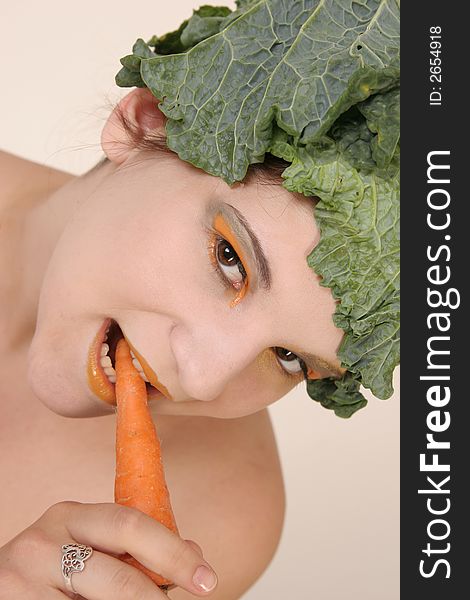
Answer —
(140, 107)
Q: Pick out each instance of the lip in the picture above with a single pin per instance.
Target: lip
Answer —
(98, 381)
(149, 373)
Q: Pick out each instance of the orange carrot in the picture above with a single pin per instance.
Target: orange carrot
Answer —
(140, 479)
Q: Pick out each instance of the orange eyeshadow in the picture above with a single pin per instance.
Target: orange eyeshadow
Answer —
(226, 231)
(311, 374)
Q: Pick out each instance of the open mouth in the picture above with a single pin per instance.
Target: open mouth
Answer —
(108, 354)
(101, 365)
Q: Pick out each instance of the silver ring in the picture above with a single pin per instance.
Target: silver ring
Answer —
(73, 561)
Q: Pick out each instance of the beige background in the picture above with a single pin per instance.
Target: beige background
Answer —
(341, 531)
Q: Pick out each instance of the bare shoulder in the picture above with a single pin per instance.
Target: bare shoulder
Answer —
(237, 504)
(12, 175)
(21, 178)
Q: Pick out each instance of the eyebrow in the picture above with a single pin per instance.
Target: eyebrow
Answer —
(312, 361)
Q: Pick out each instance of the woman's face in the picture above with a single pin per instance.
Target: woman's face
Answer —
(204, 281)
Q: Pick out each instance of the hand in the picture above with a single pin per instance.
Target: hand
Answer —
(31, 568)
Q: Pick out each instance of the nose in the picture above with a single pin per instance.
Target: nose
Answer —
(209, 358)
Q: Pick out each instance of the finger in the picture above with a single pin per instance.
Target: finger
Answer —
(101, 578)
(105, 577)
(110, 527)
(55, 594)
(196, 547)
(14, 587)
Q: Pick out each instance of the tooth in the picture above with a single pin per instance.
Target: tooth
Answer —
(106, 361)
(104, 349)
(109, 371)
(137, 364)
(112, 378)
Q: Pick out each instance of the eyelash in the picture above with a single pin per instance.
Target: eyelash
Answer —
(292, 375)
(214, 240)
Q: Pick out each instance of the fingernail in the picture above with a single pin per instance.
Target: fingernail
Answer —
(205, 579)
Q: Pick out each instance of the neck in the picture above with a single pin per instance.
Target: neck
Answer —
(41, 225)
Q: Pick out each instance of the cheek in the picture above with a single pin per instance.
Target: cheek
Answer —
(267, 369)
(128, 260)
(257, 387)
(43, 377)
(264, 363)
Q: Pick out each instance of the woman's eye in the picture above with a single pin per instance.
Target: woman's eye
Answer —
(289, 361)
(230, 264)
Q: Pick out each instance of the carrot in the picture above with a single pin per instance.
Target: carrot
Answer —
(140, 479)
